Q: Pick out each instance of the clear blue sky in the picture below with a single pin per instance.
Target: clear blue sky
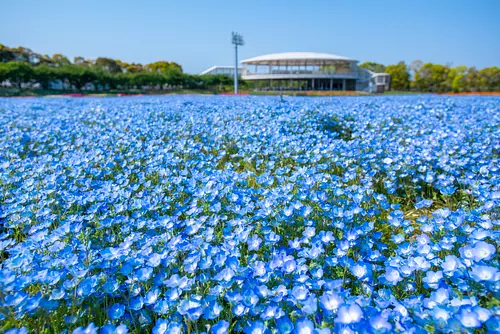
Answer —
(196, 34)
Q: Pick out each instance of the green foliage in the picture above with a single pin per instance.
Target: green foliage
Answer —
(438, 78)
(22, 67)
(163, 67)
(374, 67)
(400, 77)
(17, 73)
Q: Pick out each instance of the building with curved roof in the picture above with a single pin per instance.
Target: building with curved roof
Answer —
(310, 71)
(215, 70)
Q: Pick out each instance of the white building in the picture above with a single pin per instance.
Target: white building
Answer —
(227, 70)
(311, 71)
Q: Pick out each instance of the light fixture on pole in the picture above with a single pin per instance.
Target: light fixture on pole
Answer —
(236, 40)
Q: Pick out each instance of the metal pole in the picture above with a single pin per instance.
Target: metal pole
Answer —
(236, 69)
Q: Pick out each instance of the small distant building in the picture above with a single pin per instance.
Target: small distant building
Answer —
(311, 71)
(227, 70)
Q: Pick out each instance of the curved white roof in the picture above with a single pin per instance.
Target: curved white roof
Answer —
(294, 57)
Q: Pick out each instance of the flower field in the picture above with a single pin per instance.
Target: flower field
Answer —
(214, 214)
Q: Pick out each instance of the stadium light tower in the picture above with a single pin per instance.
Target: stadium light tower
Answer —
(236, 40)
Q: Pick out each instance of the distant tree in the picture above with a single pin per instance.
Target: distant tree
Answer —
(163, 67)
(60, 60)
(6, 54)
(77, 76)
(431, 77)
(3, 72)
(400, 77)
(374, 67)
(18, 72)
(108, 65)
(123, 65)
(44, 74)
(80, 61)
(457, 79)
(472, 79)
(489, 79)
(134, 68)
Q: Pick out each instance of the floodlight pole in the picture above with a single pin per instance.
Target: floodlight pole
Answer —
(237, 39)
(235, 69)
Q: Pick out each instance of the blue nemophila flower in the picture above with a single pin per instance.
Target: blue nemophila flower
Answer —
(384, 213)
(284, 325)
(190, 308)
(483, 251)
(255, 327)
(304, 326)
(469, 319)
(484, 273)
(220, 327)
(300, 292)
(349, 314)
(380, 325)
(432, 278)
(392, 276)
(116, 311)
(160, 326)
(310, 305)
(90, 329)
(112, 329)
(21, 330)
(330, 301)
(212, 310)
(136, 303)
(144, 274)
(425, 203)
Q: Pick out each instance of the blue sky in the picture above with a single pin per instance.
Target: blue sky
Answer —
(196, 34)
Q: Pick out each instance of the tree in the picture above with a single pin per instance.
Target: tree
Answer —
(60, 60)
(489, 79)
(80, 61)
(400, 77)
(457, 79)
(134, 68)
(374, 67)
(6, 54)
(472, 79)
(108, 65)
(18, 72)
(77, 76)
(163, 67)
(430, 77)
(45, 74)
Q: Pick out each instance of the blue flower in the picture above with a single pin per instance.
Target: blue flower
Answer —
(116, 311)
(144, 274)
(349, 314)
(212, 310)
(284, 325)
(304, 326)
(330, 301)
(484, 273)
(90, 329)
(483, 251)
(190, 308)
(221, 327)
(469, 319)
(380, 324)
(392, 276)
(255, 327)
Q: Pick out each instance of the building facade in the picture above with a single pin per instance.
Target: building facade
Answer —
(227, 70)
(310, 71)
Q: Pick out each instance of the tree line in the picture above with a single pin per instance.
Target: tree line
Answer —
(22, 67)
(437, 78)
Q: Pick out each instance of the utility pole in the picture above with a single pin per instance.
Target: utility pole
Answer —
(237, 40)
